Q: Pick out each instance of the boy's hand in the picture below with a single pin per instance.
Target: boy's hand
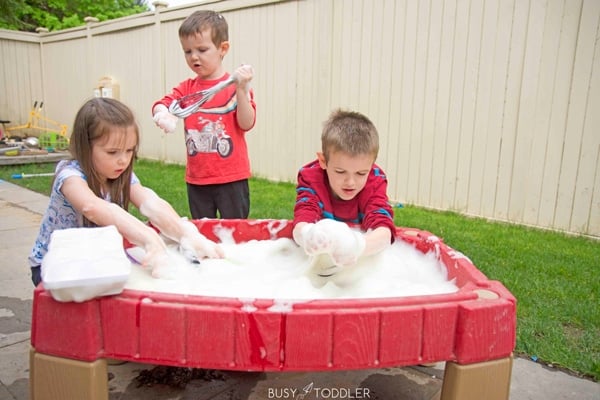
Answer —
(315, 240)
(243, 75)
(345, 245)
(165, 121)
(324, 266)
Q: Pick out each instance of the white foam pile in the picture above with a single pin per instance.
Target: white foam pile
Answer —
(279, 269)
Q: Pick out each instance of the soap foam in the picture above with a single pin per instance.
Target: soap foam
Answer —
(279, 269)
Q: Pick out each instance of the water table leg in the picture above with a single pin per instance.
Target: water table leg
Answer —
(56, 378)
(488, 380)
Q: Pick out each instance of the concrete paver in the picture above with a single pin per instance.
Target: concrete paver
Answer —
(20, 213)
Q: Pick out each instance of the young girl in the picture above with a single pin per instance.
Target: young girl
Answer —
(97, 185)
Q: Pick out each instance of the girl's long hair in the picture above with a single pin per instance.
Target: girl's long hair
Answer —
(95, 119)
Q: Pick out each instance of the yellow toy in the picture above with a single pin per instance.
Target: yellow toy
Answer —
(54, 136)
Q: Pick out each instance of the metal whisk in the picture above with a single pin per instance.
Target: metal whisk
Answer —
(189, 104)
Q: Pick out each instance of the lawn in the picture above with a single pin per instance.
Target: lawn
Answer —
(553, 276)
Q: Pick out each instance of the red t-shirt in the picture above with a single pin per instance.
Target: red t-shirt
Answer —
(370, 209)
(216, 146)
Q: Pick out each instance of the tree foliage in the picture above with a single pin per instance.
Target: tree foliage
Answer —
(27, 15)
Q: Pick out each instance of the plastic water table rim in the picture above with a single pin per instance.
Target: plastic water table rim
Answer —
(477, 323)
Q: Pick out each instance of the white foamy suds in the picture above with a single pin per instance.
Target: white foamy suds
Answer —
(279, 269)
(458, 255)
(275, 226)
(225, 235)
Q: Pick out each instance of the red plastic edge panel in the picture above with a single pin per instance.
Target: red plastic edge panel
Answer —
(477, 323)
(120, 324)
(259, 337)
(210, 341)
(312, 343)
(244, 230)
(355, 340)
(439, 325)
(71, 330)
(162, 332)
(485, 330)
(401, 336)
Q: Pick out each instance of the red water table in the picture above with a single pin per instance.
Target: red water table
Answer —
(473, 330)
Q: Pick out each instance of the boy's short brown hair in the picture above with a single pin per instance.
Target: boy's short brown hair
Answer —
(201, 20)
(349, 132)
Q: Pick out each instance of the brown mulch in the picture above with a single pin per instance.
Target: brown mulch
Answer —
(177, 377)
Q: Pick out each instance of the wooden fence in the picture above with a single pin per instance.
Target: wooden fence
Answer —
(489, 108)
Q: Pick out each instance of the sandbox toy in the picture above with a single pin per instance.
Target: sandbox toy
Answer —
(473, 330)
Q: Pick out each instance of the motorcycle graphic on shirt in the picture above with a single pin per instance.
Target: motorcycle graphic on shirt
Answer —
(212, 138)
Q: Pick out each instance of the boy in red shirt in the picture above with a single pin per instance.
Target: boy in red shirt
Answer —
(344, 187)
(218, 166)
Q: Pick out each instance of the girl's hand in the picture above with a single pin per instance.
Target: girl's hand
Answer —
(156, 257)
(196, 246)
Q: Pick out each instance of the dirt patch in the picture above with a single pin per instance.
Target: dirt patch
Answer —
(572, 331)
(177, 377)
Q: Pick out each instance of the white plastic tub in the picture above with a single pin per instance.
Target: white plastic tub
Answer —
(83, 263)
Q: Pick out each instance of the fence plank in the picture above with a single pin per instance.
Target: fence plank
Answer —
(383, 76)
(482, 133)
(395, 138)
(572, 152)
(442, 104)
(557, 116)
(542, 111)
(589, 156)
(469, 111)
(497, 107)
(523, 149)
(407, 108)
(428, 110)
(511, 110)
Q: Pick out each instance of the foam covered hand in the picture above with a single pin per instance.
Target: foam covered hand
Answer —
(344, 244)
(165, 121)
(195, 245)
(315, 240)
(243, 75)
(157, 259)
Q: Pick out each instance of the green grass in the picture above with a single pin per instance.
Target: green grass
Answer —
(553, 276)
(37, 184)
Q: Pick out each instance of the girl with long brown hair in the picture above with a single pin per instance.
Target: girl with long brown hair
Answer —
(96, 187)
